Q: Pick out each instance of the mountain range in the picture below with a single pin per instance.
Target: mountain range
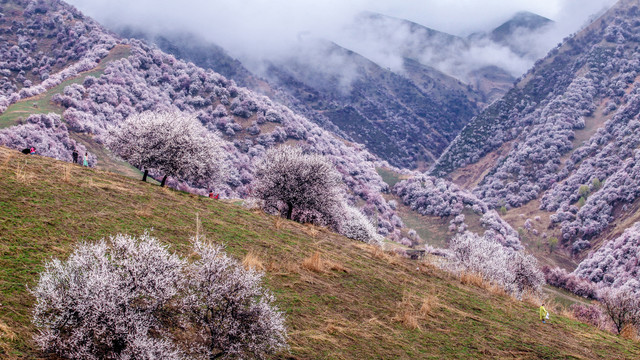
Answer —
(430, 145)
(406, 115)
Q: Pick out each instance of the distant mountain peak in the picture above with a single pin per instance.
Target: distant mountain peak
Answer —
(521, 20)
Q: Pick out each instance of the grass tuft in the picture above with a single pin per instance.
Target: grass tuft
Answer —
(314, 263)
(629, 332)
(252, 261)
(473, 279)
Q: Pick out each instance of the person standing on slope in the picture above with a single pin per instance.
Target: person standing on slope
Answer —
(74, 155)
(85, 162)
(544, 315)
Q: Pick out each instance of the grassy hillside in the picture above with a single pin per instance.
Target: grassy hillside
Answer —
(350, 302)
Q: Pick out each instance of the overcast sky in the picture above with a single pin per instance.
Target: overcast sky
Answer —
(261, 28)
(262, 19)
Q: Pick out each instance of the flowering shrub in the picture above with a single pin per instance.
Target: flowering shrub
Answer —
(123, 298)
(591, 314)
(107, 300)
(231, 312)
(355, 225)
(561, 278)
(513, 270)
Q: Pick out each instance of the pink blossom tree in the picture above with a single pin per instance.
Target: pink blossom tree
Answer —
(130, 298)
(622, 306)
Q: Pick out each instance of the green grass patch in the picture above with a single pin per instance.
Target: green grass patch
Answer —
(350, 310)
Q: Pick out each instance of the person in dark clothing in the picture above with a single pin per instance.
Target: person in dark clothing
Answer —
(74, 155)
(26, 151)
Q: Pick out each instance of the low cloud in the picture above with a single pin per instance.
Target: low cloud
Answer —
(257, 30)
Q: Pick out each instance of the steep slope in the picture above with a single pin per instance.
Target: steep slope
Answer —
(562, 145)
(123, 77)
(359, 305)
(405, 124)
(39, 39)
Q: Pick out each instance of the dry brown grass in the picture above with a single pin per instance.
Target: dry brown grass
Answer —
(473, 279)
(536, 300)
(278, 222)
(5, 162)
(497, 290)
(429, 304)
(6, 335)
(407, 314)
(312, 230)
(252, 261)
(379, 253)
(314, 263)
(198, 225)
(66, 172)
(146, 212)
(21, 172)
(629, 332)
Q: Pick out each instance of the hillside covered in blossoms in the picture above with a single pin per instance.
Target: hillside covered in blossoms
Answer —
(539, 190)
(559, 152)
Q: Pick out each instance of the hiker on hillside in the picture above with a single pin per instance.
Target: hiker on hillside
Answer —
(26, 151)
(74, 155)
(85, 162)
(544, 315)
(32, 151)
(211, 194)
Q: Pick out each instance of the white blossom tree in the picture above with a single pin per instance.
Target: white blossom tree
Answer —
(515, 271)
(130, 298)
(175, 144)
(621, 305)
(304, 187)
(107, 299)
(231, 312)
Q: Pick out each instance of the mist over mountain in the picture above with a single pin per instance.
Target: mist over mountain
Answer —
(253, 31)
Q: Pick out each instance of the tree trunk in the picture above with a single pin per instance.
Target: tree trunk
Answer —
(289, 210)
(144, 177)
(164, 179)
(213, 357)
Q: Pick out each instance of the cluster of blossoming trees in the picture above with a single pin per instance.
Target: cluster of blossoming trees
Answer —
(586, 86)
(130, 298)
(514, 271)
(41, 43)
(582, 78)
